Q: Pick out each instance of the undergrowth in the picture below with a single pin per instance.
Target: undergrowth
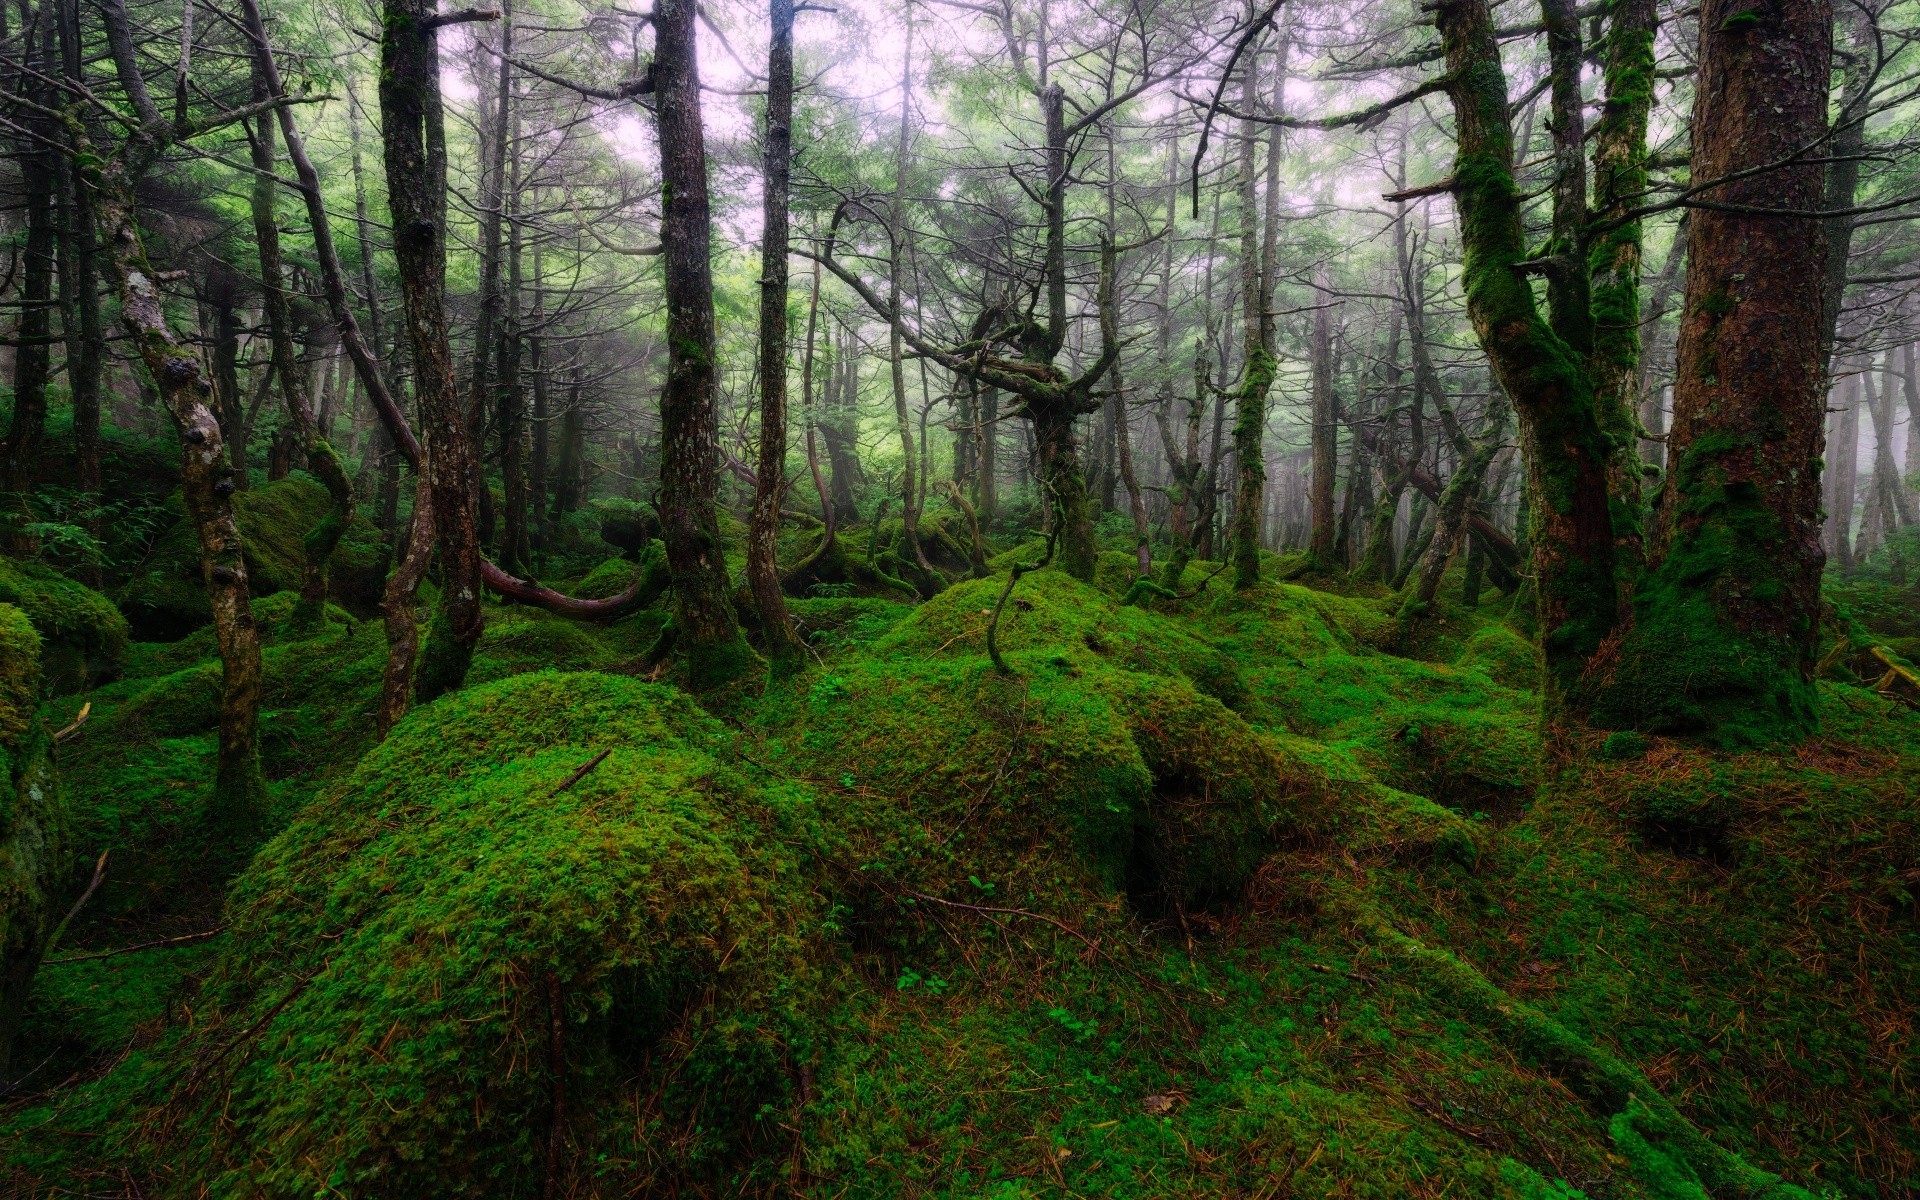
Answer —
(1236, 893)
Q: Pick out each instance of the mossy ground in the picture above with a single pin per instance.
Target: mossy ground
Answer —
(1131, 921)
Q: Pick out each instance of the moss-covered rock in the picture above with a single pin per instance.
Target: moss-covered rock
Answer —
(83, 637)
(165, 598)
(36, 850)
(545, 883)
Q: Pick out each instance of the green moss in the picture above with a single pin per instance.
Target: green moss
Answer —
(1715, 649)
(36, 835)
(1507, 658)
(396, 951)
(166, 598)
(83, 636)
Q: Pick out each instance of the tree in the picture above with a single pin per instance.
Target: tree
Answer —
(414, 140)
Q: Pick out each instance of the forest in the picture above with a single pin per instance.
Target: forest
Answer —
(974, 599)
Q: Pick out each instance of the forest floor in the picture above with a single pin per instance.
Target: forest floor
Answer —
(1244, 895)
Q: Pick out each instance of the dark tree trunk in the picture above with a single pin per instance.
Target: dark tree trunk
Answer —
(86, 340)
(1325, 446)
(413, 130)
(705, 631)
(319, 542)
(763, 567)
(1726, 624)
(32, 356)
(510, 410)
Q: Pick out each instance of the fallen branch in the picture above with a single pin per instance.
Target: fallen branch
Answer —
(99, 873)
(185, 939)
(582, 773)
(78, 721)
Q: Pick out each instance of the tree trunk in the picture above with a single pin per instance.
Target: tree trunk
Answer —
(495, 152)
(1568, 450)
(319, 542)
(763, 567)
(704, 631)
(86, 340)
(32, 355)
(536, 503)
(1725, 629)
(1325, 445)
(1842, 474)
(1896, 510)
(204, 476)
(1250, 399)
(896, 238)
(510, 409)
(413, 130)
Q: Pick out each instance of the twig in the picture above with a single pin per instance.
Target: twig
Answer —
(1062, 926)
(99, 873)
(577, 776)
(78, 721)
(185, 939)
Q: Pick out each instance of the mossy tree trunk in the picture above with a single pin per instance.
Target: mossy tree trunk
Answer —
(1256, 379)
(414, 134)
(1726, 622)
(705, 631)
(206, 482)
(1569, 452)
(763, 568)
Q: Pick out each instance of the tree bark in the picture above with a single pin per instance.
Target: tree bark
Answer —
(763, 567)
(1257, 375)
(705, 632)
(1572, 518)
(205, 481)
(413, 132)
(1726, 624)
(1325, 445)
(86, 340)
(319, 542)
(32, 357)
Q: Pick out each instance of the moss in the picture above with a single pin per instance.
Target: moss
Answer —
(1715, 649)
(1507, 658)
(83, 636)
(395, 952)
(166, 598)
(36, 835)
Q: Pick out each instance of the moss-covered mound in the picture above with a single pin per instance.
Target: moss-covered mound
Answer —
(165, 597)
(36, 838)
(83, 637)
(540, 918)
